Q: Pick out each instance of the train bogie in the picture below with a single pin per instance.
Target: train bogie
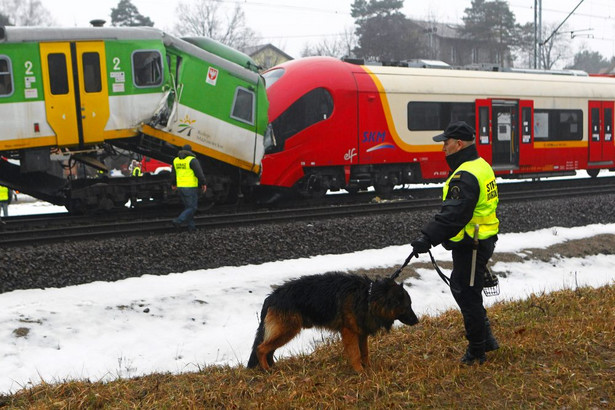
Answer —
(377, 127)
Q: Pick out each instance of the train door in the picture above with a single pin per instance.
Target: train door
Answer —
(498, 125)
(504, 125)
(76, 94)
(601, 149)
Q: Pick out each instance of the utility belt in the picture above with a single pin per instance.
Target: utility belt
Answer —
(467, 242)
(491, 285)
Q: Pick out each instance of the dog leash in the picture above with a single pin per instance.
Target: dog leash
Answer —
(398, 271)
(445, 278)
(433, 262)
(491, 288)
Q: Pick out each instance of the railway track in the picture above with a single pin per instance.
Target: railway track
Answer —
(40, 230)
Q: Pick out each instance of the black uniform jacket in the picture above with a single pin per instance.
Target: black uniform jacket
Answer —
(458, 207)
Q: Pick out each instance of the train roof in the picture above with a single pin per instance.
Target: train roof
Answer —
(240, 67)
(233, 67)
(326, 71)
(528, 75)
(307, 63)
(12, 34)
(225, 51)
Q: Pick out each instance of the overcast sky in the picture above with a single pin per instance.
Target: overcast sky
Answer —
(290, 24)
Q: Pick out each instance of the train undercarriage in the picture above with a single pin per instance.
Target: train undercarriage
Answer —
(317, 181)
(97, 179)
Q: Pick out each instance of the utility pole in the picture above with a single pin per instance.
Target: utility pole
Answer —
(537, 33)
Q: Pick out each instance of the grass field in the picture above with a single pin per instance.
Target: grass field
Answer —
(557, 351)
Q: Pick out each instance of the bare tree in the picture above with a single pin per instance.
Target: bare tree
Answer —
(557, 49)
(26, 12)
(339, 46)
(203, 18)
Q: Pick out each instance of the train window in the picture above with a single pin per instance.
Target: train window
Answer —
(608, 124)
(243, 106)
(58, 73)
(483, 129)
(272, 76)
(91, 72)
(595, 120)
(526, 120)
(558, 125)
(6, 79)
(147, 68)
(313, 107)
(435, 116)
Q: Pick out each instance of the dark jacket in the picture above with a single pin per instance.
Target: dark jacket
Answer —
(195, 165)
(458, 206)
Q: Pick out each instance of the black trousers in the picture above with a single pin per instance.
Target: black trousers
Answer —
(470, 299)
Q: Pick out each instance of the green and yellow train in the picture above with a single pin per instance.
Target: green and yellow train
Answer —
(72, 99)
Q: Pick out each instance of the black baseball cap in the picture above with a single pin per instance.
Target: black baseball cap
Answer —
(458, 130)
(187, 147)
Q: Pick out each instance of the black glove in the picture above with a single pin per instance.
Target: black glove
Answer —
(421, 245)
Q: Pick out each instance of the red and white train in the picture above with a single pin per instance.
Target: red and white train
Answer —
(337, 125)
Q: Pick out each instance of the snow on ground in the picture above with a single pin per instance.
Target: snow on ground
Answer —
(186, 320)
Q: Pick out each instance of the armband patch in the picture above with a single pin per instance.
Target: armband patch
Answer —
(455, 192)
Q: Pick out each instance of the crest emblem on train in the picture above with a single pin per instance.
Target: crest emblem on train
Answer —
(212, 76)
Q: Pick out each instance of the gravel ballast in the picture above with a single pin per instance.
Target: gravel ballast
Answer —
(72, 263)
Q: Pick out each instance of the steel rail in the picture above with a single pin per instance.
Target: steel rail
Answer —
(101, 230)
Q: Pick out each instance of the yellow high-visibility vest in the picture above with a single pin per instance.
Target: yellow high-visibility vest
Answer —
(136, 172)
(4, 193)
(484, 212)
(185, 175)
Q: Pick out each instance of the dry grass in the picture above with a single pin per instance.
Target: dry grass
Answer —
(558, 351)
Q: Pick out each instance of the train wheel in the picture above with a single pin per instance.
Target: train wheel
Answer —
(313, 187)
(384, 190)
(319, 192)
(593, 172)
(76, 207)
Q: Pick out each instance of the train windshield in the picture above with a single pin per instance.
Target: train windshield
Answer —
(272, 76)
(313, 107)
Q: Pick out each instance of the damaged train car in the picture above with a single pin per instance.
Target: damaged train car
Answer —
(74, 100)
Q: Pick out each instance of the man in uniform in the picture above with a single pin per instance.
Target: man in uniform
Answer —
(136, 168)
(466, 225)
(5, 196)
(186, 176)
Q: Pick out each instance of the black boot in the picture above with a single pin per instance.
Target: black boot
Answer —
(491, 342)
(474, 353)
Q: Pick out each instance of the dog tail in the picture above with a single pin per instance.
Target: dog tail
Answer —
(260, 336)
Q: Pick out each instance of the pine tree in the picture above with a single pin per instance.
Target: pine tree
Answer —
(5, 20)
(383, 32)
(127, 15)
(492, 24)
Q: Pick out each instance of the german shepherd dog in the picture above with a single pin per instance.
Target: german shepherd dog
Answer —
(355, 306)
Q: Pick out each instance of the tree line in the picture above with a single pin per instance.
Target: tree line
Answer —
(381, 32)
(384, 33)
